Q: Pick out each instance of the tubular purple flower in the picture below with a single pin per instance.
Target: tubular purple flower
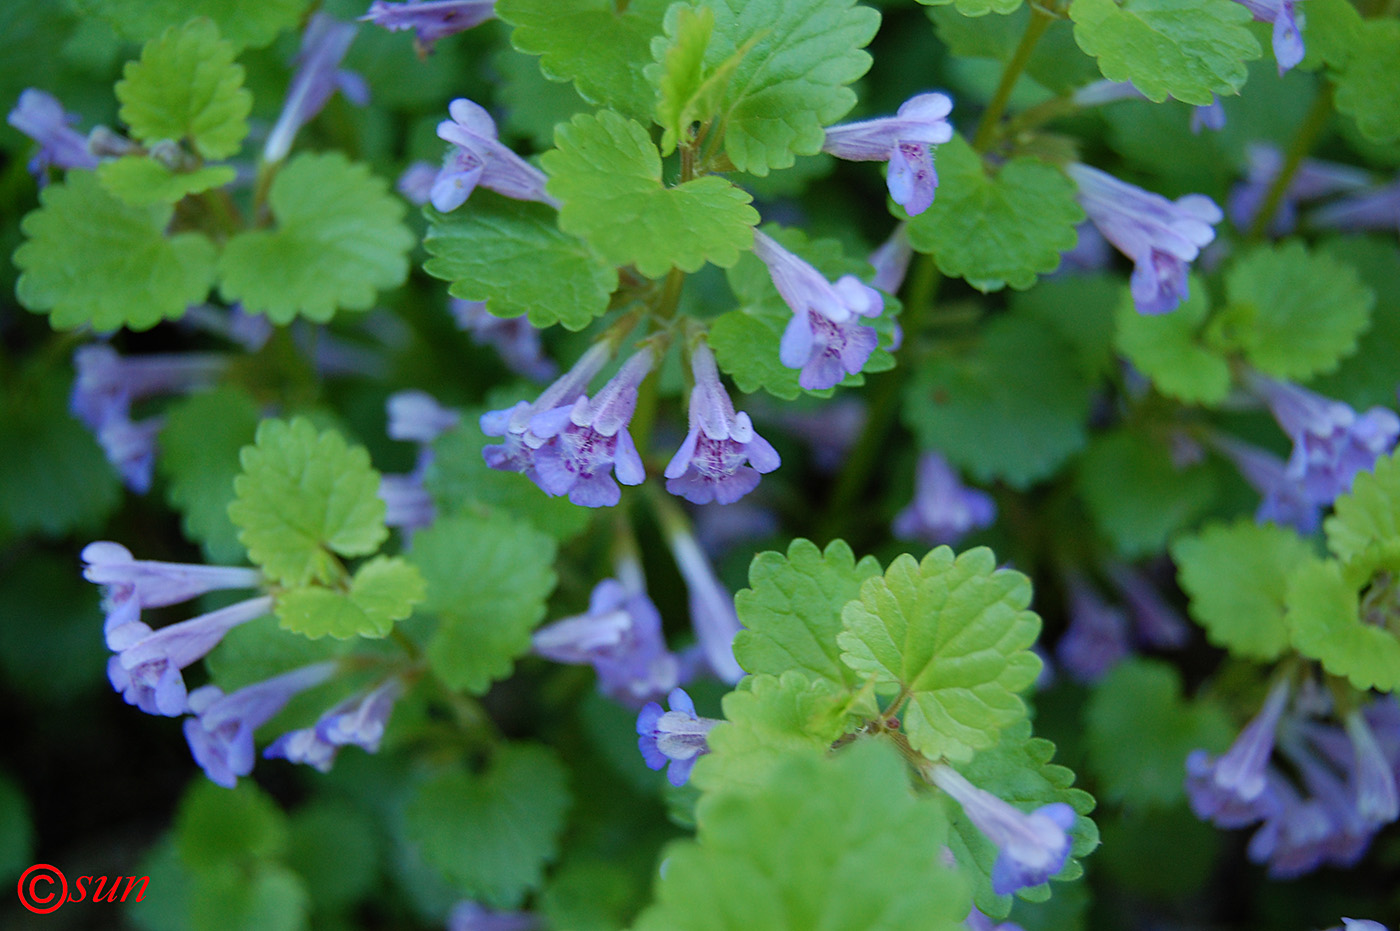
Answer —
(1160, 236)
(417, 417)
(407, 504)
(830, 428)
(679, 736)
(1216, 788)
(712, 612)
(1030, 847)
(477, 157)
(1211, 116)
(517, 342)
(1285, 502)
(41, 117)
(152, 584)
(1295, 838)
(1348, 834)
(891, 261)
(721, 457)
(317, 76)
(469, 916)
(221, 733)
(1104, 92)
(977, 921)
(130, 446)
(1374, 209)
(517, 453)
(944, 510)
(430, 20)
(107, 382)
(1097, 638)
(1158, 625)
(416, 182)
(1313, 179)
(590, 440)
(359, 720)
(1373, 778)
(1362, 924)
(905, 140)
(1287, 21)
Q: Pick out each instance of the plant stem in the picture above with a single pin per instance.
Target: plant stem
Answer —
(1308, 133)
(988, 126)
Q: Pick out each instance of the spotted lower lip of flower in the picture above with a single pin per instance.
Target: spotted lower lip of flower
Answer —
(317, 76)
(517, 452)
(1287, 22)
(430, 20)
(678, 736)
(906, 141)
(478, 157)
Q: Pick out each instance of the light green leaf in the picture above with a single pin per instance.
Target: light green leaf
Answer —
(488, 579)
(511, 255)
(491, 833)
(1368, 87)
(798, 852)
(607, 173)
(1325, 624)
(261, 649)
(1168, 348)
(384, 590)
(1056, 63)
(339, 240)
(335, 846)
(791, 610)
(141, 181)
(998, 229)
(302, 496)
(187, 87)
(217, 827)
(268, 897)
(953, 634)
(590, 43)
(1136, 495)
(1014, 407)
(679, 72)
(1366, 520)
(533, 104)
(94, 259)
(1296, 313)
(1236, 576)
(1368, 377)
(251, 23)
(977, 7)
(1187, 49)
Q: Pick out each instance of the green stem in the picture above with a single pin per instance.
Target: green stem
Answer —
(987, 128)
(1309, 132)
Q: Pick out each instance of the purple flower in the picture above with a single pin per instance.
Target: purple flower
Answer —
(469, 916)
(1157, 624)
(430, 20)
(1288, 23)
(416, 416)
(477, 157)
(517, 452)
(1314, 179)
(1373, 776)
(513, 337)
(712, 612)
(358, 720)
(1225, 789)
(1362, 924)
(1211, 116)
(976, 921)
(1097, 638)
(721, 457)
(1030, 847)
(221, 733)
(318, 75)
(944, 510)
(1284, 500)
(107, 382)
(905, 140)
(416, 182)
(1374, 209)
(1331, 442)
(41, 117)
(679, 736)
(589, 440)
(1160, 236)
(891, 261)
(149, 584)
(831, 428)
(1295, 838)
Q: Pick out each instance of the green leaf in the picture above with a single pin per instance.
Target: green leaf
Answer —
(1014, 407)
(977, 7)
(590, 43)
(1136, 495)
(1080, 309)
(1056, 63)
(301, 494)
(1018, 770)
(1368, 87)
(679, 72)
(1324, 623)
(1168, 348)
(228, 827)
(1236, 576)
(1330, 33)
(384, 590)
(488, 579)
(1296, 313)
(261, 649)
(187, 87)
(791, 81)
(48, 650)
(339, 240)
(94, 259)
(1366, 520)
(998, 229)
(491, 833)
(16, 829)
(251, 23)
(607, 173)
(199, 447)
(1140, 730)
(791, 610)
(269, 898)
(954, 634)
(141, 181)
(1187, 49)
(334, 845)
(801, 852)
(511, 255)
(1368, 377)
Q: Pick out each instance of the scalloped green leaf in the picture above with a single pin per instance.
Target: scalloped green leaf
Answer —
(1187, 49)
(977, 7)
(679, 72)
(303, 495)
(245, 23)
(140, 181)
(1296, 313)
(996, 229)
(91, 258)
(491, 833)
(954, 635)
(512, 255)
(607, 173)
(488, 580)
(791, 610)
(1366, 520)
(839, 844)
(1324, 623)
(1169, 349)
(1136, 495)
(187, 87)
(338, 240)
(1368, 87)
(1236, 576)
(1367, 378)
(384, 590)
(217, 827)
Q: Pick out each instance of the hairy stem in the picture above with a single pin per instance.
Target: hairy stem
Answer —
(990, 124)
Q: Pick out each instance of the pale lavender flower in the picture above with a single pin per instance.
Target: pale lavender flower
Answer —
(1333, 794)
(318, 75)
(1362, 924)
(517, 342)
(1295, 837)
(721, 457)
(944, 510)
(407, 503)
(41, 117)
(1211, 116)
(712, 612)
(977, 921)
(831, 429)
(1224, 789)
(1090, 252)
(824, 338)
(150, 584)
(221, 733)
(1287, 21)
(1374, 209)
(108, 382)
(417, 417)
(906, 141)
(416, 182)
(130, 446)
(1284, 500)
(250, 331)
(590, 440)
(469, 916)
(414, 416)
(517, 452)
(1313, 179)
(1030, 847)
(678, 736)
(358, 721)
(1097, 638)
(1373, 776)
(1104, 92)
(891, 261)
(1157, 624)
(430, 20)
(1160, 236)
(477, 157)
